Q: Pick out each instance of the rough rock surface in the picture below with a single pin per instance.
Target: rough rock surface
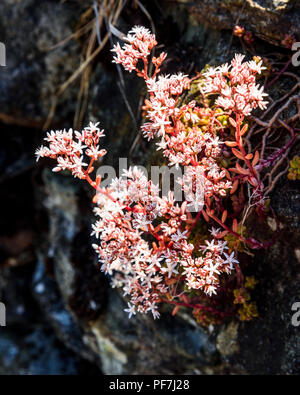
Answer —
(62, 312)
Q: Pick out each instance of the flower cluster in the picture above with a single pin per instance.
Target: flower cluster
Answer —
(127, 211)
(140, 43)
(146, 241)
(137, 215)
(239, 31)
(161, 106)
(187, 134)
(69, 148)
(236, 85)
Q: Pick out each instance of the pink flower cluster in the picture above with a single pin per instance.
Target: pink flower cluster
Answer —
(203, 272)
(201, 182)
(161, 106)
(147, 272)
(69, 148)
(236, 85)
(130, 212)
(179, 128)
(140, 43)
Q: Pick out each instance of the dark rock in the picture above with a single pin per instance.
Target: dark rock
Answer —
(270, 20)
(285, 201)
(269, 345)
(28, 344)
(38, 352)
(171, 345)
(33, 72)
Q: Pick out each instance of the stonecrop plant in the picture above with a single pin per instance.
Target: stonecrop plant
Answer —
(159, 250)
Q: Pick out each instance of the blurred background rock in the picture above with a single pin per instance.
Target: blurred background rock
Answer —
(62, 317)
